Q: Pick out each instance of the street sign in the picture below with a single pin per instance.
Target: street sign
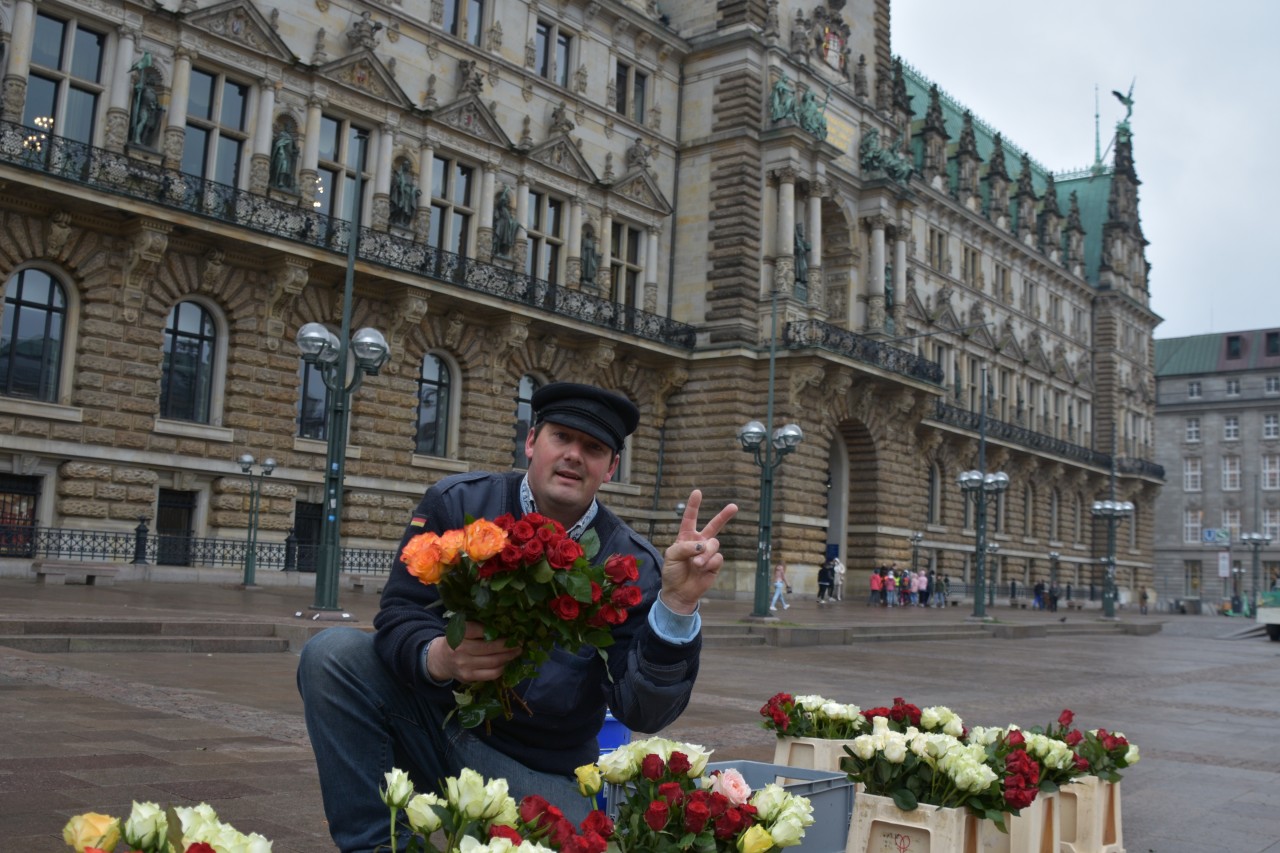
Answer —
(1224, 564)
(1215, 536)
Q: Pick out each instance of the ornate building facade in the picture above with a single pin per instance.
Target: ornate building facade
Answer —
(607, 191)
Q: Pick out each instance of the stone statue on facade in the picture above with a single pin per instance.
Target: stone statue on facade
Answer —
(284, 155)
(363, 32)
(811, 115)
(782, 101)
(144, 119)
(802, 256)
(590, 256)
(638, 155)
(560, 121)
(504, 222)
(404, 195)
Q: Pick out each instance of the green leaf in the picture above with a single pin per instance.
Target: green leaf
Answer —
(905, 800)
(470, 716)
(590, 543)
(542, 571)
(577, 585)
(455, 630)
(482, 596)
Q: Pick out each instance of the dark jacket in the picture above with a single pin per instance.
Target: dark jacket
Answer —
(651, 678)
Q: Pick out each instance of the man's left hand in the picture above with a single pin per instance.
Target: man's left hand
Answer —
(693, 561)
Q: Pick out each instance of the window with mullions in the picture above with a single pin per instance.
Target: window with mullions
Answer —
(434, 393)
(524, 418)
(313, 404)
(35, 317)
(186, 381)
(65, 80)
(631, 86)
(546, 237)
(215, 134)
(19, 497)
(343, 149)
(465, 19)
(451, 210)
(552, 46)
(625, 264)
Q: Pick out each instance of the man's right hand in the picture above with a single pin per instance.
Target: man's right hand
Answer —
(475, 658)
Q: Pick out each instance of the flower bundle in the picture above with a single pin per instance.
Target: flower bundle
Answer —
(666, 804)
(1097, 752)
(812, 716)
(529, 584)
(151, 829)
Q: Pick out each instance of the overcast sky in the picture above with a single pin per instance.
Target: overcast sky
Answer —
(1206, 124)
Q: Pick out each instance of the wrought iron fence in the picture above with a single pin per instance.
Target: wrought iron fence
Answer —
(120, 174)
(1021, 436)
(817, 333)
(1141, 467)
(168, 549)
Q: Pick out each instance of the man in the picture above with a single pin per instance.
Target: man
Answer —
(840, 570)
(377, 701)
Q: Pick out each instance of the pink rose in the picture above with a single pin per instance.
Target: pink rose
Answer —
(731, 784)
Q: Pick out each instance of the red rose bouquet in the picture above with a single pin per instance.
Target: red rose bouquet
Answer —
(1096, 753)
(527, 583)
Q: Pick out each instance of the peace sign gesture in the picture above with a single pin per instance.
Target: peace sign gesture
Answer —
(692, 562)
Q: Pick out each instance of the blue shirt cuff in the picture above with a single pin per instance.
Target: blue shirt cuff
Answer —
(673, 627)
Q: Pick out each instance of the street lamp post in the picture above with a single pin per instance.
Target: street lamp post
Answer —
(328, 354)
(1111, 511)
(768, 456)
(268, 465)
(1255, 542)
(916, 539)
(980, 483)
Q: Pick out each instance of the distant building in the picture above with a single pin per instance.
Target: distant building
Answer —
(618, 192)
(1218, 437)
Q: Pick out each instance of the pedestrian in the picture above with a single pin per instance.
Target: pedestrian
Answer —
(886, 585)
(840, 570)
(377, 700)
(1142, 601)
(927, 599)
(921, 593)
(781, 586)
(1055, 592)
(891, 585)
(1037, 602)
(877, 587)
(826, 580)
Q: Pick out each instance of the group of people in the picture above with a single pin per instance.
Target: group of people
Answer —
(1045, 596)
(894, 587)
(830, 583)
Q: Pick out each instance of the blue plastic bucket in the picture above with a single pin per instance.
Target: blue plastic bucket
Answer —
(613, 734)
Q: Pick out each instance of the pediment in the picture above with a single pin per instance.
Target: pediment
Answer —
(946, 318)
(1037, 357)
(982, 337)
(364, 72)
(470, 116)
(640, 187)
(1012, 347)
(239, 21)
(559, 153)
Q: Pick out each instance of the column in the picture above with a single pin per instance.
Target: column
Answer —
(117, 127)
(784, 276)
(426, 171)
(573, 273)
(651, 271)
(875, 277)
(521, 249)
(899, 313)
(604, 276)
(15, 78)
(176, 129)
(381, 168)
(484, 233)
(260, 165)
(308, 177)
(814, 231)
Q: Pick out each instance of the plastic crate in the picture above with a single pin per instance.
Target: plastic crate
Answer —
(830, 794)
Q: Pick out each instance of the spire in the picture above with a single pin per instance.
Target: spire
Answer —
(1098, 168)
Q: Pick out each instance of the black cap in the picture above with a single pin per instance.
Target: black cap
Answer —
(601, 414)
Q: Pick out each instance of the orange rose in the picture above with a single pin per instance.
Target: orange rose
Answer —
(451, 545)
(423, 558)
(484, 539)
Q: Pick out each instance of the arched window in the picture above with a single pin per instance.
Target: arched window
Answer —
(313, 403)
(435, 389)
(1055, 511)
(186, 381)
(35, 318)
(524, 417)
(933, 508)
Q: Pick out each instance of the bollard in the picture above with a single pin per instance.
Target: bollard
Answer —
(140, 543)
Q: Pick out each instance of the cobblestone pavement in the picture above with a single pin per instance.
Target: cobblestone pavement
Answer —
(93, 731)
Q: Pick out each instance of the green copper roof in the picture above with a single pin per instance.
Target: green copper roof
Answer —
(1199, 354)
(1093, 187)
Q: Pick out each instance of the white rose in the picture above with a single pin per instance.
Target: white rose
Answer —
(466, 792)
(399, 789)
(618, 766)
(1131, 756)
(864, 747)
(953, 726)
(879, 725)
(146, 826)
(422, 814)
(787, 832)
(809, 703)
(895, 751)
(255, 843)
(768, 801)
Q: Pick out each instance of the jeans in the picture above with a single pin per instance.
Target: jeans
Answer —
(363, 722)
(779, 587)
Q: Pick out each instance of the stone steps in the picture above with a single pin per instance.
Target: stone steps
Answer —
(206, 636)
(88, 643)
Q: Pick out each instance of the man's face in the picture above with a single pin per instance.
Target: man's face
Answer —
(566, 469)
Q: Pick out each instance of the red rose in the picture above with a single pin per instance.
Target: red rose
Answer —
(1019, 798)
(522, 531)
(561, 831)
(696, 815)
(1016, 738)
(729, 824)
(652, 767)
(547, 536)
(678, 763)
(531, 551)
(563, 553)
(510, 555)
(597, 822)
(621, 568)
(506, 521)
(596, 592)
(1082, 764)
(198, 847)
(657, 814)
(537, 519)
(613, 615)
(592, 842)
(507, 832)
(565, 607)
(1073, 738)
(532, 808)
(1066, 718)
(718, 803)
(626, 596)
(671, 792)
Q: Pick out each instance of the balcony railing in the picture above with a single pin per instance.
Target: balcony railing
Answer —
(1140, 467)
(32, 149)
(816, 333)
(1021, 436)
(168, 549)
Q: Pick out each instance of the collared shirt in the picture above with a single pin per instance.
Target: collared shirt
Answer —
(669, 625)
